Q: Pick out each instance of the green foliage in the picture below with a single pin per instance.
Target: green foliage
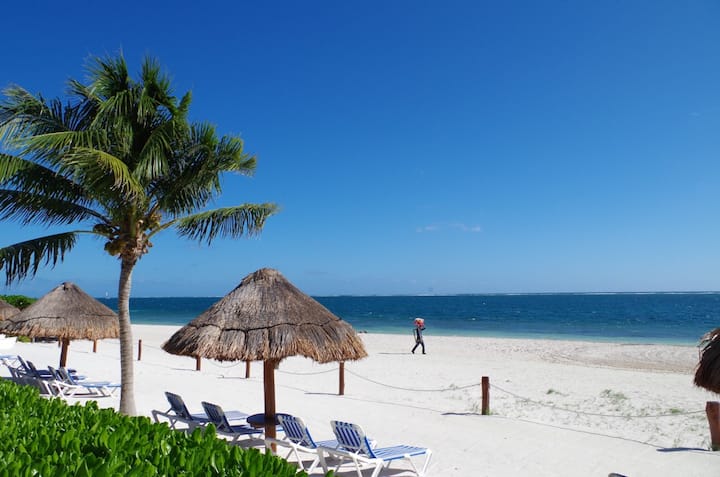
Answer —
(47, 438)
(18, 301)
(613, 395)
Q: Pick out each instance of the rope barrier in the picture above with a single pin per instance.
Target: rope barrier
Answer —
(494, 386)
(595, 414)
(451, 388)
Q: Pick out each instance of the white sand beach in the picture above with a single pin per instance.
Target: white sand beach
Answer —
(558, 408)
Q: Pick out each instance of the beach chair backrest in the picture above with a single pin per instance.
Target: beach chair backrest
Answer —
(296, 430)
(23, 368)
(352, 438)
(55, 373)
(216, 416)
(66, 376)
(32, 369)
(177, 404)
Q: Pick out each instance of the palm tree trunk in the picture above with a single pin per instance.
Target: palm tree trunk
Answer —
(127, 392)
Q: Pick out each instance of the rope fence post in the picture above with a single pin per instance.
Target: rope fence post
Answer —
(139, 350)
(485, 395)
(341, 390)
(247, 369)
(198, 363)
(94, 346)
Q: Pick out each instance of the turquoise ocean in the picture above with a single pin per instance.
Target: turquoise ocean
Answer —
(669, 318)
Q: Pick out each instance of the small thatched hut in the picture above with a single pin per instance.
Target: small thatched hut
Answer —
(7, 310)
(266, 318)
(66, 313)
(707, 373)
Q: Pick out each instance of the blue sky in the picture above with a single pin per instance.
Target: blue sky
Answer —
(422, 147)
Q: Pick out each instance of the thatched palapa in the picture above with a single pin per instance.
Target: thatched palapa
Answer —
(66, 313)
(707, 374)
(266, 318)
(7, 310)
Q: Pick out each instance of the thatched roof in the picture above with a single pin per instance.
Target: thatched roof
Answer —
(707, 374)
(7, 310)
(267, 318)
(66, 312)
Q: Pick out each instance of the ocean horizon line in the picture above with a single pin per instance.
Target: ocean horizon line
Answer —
(440, 295)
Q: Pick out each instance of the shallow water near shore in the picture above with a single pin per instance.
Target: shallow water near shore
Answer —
(667, 318)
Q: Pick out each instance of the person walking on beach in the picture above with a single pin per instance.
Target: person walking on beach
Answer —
(419, 327)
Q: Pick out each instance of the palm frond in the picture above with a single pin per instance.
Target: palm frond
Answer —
(30, 208)
(85, 106)
(120, 105)
(193, 178)
(110, 76)
(52, 146)
(10, 165)
(37, 179)
(231, 157)
(95, 168)
(23, 115)
(233, 222)
(23, 259)
(157, 149)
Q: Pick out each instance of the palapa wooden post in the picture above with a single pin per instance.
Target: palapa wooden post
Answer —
(65, 343)
(341, 391)
(139, 350)
(269, 381)
(247, 369)
(712, 409)
(485, 395)
(198, 363)
(94, 346)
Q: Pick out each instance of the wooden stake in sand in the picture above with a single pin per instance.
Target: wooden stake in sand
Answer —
(485, 395)
(341, 391)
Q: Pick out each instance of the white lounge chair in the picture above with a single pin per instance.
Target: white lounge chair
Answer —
(298, 439)
(103, 388)
(217, 416)
(62, 388)
(179, 414)
(354, 446)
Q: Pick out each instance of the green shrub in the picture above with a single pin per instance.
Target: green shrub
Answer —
(18, 301)
(48, 438)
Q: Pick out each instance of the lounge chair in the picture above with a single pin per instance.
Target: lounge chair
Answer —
(42, 386)
(356, 447)
(11, 362)
(61, 388)
(217, 416)
(298, 439)
(29, 369)
(103, 388)
(178, 413)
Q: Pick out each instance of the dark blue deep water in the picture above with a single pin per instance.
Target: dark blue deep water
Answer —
(680, 318)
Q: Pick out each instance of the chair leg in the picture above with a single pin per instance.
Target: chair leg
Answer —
(420, 473)
(313, 465)
(321, 458)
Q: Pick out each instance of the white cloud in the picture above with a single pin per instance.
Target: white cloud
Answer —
(454, 226)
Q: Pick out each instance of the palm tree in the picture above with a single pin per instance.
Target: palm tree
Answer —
(118, 160)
